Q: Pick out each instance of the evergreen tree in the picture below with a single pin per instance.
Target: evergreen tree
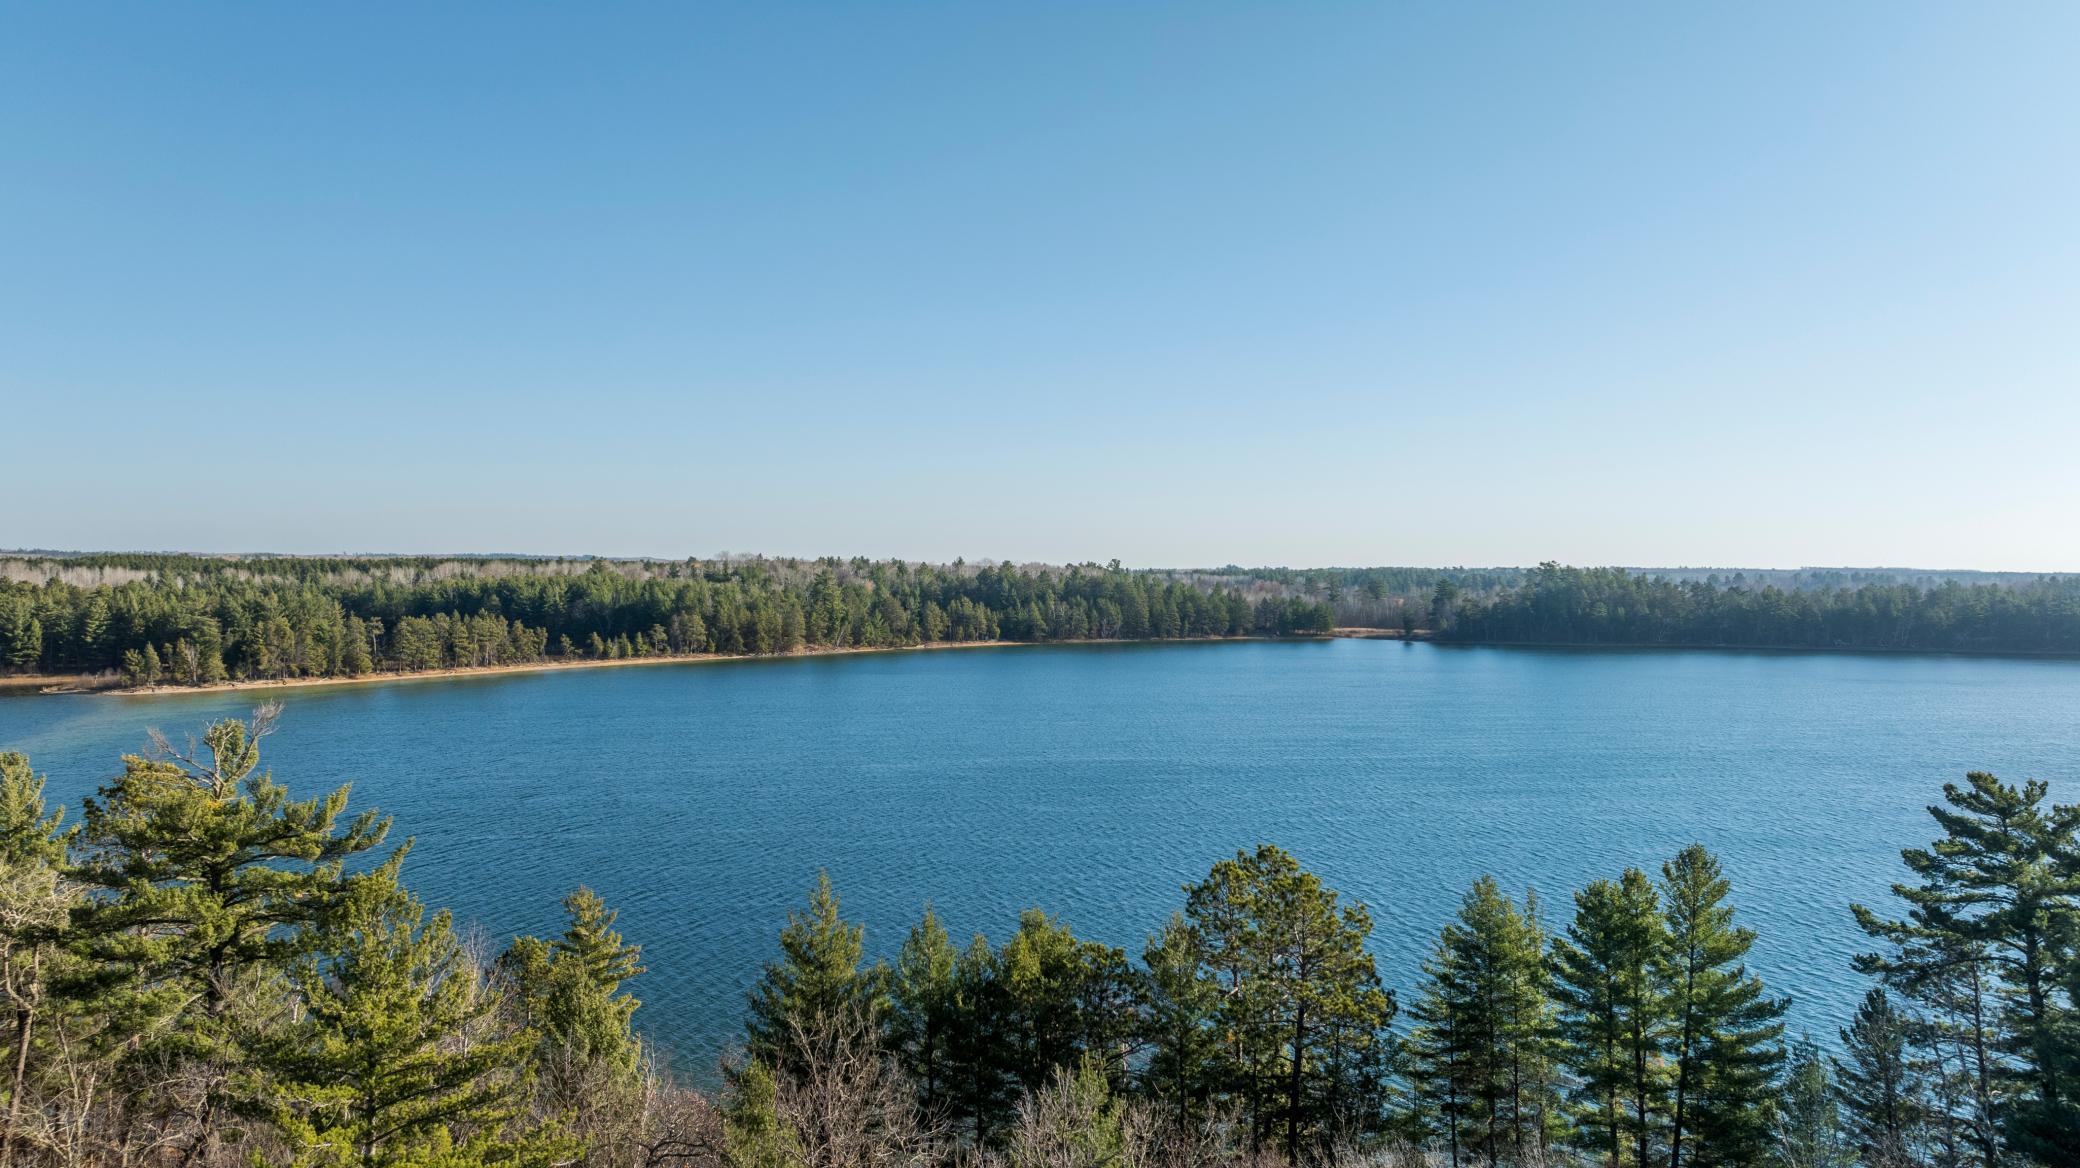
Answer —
(1485, 1053)
(590, 940)
(1724, 1033)
(924, 1009)
(1808, 1127)
(816, 981)
(206, 658)
(568, 994)
(25, 650)
(1443, 1066)
(1065, 1001)
(1178, 1011)
(1533, 1024)
(2002, 885)
(28, 837)
(206, 864)
(1613, 1019)
(1301, 986)
(395, 1062)
(94, 631)
(1950, 1038)
(978, 1050)
(354, 657)
(34, 903)
(754, 1133)
(207, 880)
(1880, 1088)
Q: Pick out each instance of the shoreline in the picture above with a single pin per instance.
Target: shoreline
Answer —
(83, 684)
(1688, 647)
(74, 685)
(452, 673)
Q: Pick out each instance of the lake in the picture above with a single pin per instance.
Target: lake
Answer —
(1093, 781)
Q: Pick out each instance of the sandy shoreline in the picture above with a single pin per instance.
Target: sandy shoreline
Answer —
(78, 685)
(451, 674)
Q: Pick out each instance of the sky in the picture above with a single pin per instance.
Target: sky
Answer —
(1188, 283)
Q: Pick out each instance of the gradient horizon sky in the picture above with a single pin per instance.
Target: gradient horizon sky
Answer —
(1179, 283)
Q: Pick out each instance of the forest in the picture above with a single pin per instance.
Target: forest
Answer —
(204, 969)
(193, 620)
(1556, 605)
(197, 620)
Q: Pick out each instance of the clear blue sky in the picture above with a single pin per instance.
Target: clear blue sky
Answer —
(1179, 283)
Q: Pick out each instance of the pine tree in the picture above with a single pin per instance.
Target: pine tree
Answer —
(354, 658)
(1724, 1033)
(1808, 1129)
(93, 630)
(978, 1050)
(1613, 1021)
(589, 938)
(34, 903)
(208, 640)
(1950, 1040)
(210, 880)
(1178, 1011)
(208, 865)
(1880, 1088)
(28, 837)
(25, 649)
(1304, 984)
(2002, 885)
(568, 993)
(754, 1133)
(923, 1008)
(1486, 1049)
(1441, 1050)
(1534, 1025)
(816, 982)
(1065, 1000)
(396, 1062)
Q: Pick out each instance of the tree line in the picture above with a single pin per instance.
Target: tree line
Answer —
(205, 970)
(194, 621)
(1610, 606)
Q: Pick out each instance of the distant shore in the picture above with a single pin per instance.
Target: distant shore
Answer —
(1710, 647)
(543, 666)
(88, 685)
(105, 685)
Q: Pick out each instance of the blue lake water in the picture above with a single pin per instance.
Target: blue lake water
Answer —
(701, 799)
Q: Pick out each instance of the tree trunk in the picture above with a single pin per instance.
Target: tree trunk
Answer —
(1983, 1105)
(1452, 1103)
(24, 1016)
(2039, 1024)
(1639, 1087)
(1686, 1057)
(1293, 1090)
